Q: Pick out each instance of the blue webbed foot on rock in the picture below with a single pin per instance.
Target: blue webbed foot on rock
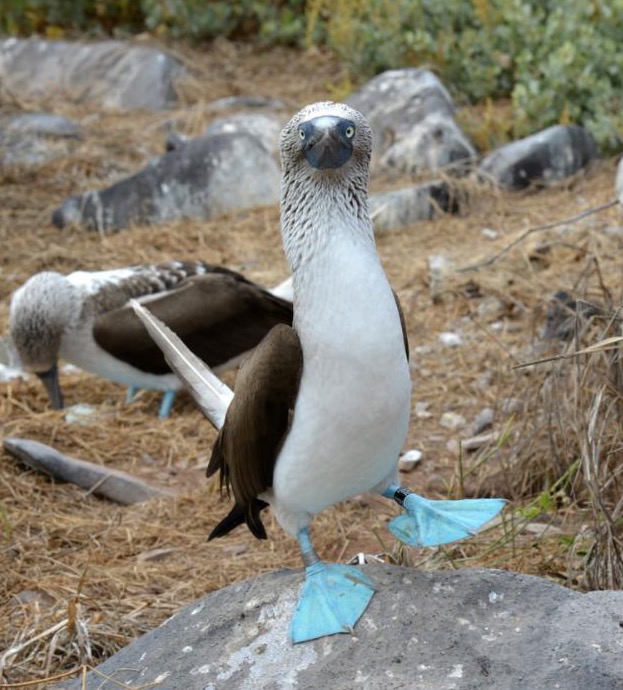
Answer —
(332, 599)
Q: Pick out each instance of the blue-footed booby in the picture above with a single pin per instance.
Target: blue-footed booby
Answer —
(85, 319)
(321, 409)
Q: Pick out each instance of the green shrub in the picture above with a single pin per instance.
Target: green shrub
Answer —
(556, 61)
(282, 21)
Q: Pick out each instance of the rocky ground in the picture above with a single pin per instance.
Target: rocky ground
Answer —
(111, 573)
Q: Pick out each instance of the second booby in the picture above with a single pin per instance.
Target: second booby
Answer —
(321, 409)
(84, 318)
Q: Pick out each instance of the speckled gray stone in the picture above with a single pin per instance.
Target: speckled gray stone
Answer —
(545, 157)
(109, 74)
(399, 208)
(463, 630)
(204, 178)
(412, 117)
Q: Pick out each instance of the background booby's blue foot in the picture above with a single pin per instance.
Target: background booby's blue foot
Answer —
(332, 600)
(166, 404)
(432, 523)
(132, 391)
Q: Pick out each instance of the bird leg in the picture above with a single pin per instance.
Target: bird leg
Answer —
(132, 391)
(332, 599)
(166, 404)
(432, 523)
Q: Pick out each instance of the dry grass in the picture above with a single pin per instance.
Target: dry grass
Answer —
(81, 577)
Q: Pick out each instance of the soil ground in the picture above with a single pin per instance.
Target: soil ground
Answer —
(111, 573)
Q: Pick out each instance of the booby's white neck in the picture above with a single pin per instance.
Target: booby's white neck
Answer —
(330, 205)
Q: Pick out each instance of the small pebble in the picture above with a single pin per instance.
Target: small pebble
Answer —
(511, 405)
(452, 420)
(476, 442)
(421, 410)
(450, 339)
(490, 234)
(81, 414)
(483, 421)
(409, 460)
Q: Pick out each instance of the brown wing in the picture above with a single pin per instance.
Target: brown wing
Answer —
(255, 427)
(402, 323)
(219, 316)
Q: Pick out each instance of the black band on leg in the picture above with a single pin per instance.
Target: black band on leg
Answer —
(400, 494)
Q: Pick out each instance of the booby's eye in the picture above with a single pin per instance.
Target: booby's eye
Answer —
(349, 132)
(302, 134)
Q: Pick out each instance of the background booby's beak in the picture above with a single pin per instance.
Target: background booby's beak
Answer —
(327, 141)
(52, 385)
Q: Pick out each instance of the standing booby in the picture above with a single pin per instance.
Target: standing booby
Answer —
(85, 318)
(321, 409)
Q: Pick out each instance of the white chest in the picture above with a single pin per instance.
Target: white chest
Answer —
(352, 412)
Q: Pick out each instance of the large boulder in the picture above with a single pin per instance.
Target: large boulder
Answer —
(111, 74)
(412, 117)
(462, 630)
(264, 127)
(543, 158)
(204, 178)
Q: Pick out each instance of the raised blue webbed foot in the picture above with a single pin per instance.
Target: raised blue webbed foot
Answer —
(432, 523)
(332, 599)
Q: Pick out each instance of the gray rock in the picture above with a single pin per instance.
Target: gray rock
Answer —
(206, 177)
(265, 128)
(35, 138)
(463, 630)
(545, 157)
(483, 421)
(402, 207)
(109, 74)
(565, 316)
(237, 102)
(412, 116)
(41, 124)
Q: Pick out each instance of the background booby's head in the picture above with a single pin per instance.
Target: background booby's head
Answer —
(326, 136)
(40, 312)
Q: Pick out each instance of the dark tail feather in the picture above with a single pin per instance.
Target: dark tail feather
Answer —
(239, 515)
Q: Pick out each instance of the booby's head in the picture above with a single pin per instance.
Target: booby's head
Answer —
(326, 136)
(40, 312)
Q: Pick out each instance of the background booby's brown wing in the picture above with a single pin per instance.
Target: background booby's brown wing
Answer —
(402, 323)
(219, 316)
(256, 424)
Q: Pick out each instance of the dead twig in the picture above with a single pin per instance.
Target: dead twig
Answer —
(537, 228)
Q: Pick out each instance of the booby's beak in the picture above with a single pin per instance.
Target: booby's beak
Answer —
(327, 141)
(52, 385)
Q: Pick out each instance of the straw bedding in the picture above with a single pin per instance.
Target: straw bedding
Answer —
(81, 577)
